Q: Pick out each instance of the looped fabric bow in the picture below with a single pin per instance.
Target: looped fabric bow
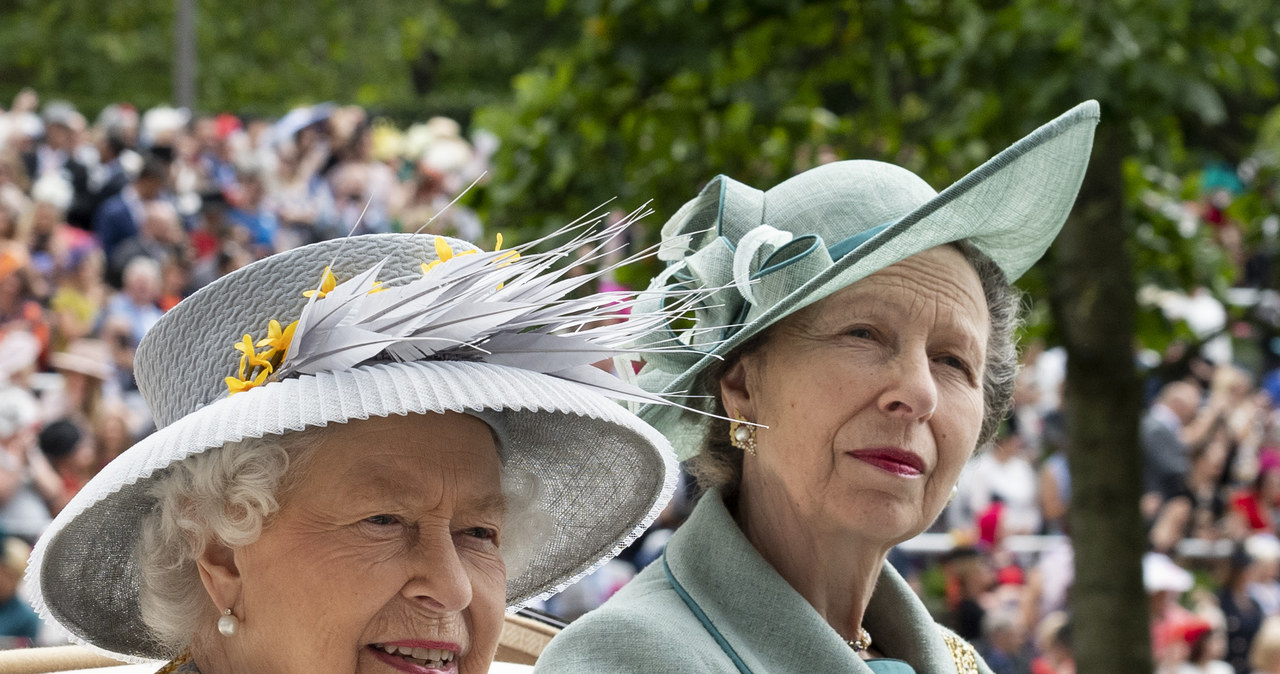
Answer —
(721, 241)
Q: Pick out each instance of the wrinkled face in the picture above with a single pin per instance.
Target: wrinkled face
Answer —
(872, 398)
(389, 543)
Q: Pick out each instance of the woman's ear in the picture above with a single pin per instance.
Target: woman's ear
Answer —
(735, 391)
(219, 574)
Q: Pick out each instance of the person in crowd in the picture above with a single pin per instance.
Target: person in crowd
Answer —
(1264, 584)
(1003, 475)
(51, 242)
(113, 432)
(160, 238)
(969, 579)
(1264, 655)
(79, 298)
(58, 154)
(1165, 582)
(130, 314)
(1002, 644)
(20, 309)
(1242, 612)
(363, 189)
(301, 196)
(1053, 642)
(116, 161)
(251, 213)
(1054, 481)
(311, 501)
(1203, 482)
(121, 216)
(857, 280)
(19, 625)
(70, 455)
(27, 482)
(1167, 454)
(1198, 647)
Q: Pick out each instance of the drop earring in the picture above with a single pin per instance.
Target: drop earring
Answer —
(228, 624)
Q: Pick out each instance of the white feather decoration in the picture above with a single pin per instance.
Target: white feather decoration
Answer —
(495, 307)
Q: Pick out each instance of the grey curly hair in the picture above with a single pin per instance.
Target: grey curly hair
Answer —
(229, 494)
(719, 464)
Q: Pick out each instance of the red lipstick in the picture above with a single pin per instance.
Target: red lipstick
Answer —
(894, 460)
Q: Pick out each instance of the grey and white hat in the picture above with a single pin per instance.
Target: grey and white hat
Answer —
(404, 324)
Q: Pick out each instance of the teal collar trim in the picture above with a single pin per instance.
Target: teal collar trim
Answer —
(702, 618)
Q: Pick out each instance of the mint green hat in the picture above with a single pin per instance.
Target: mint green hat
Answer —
(765, 254)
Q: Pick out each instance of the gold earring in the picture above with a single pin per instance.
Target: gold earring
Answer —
(742, 435)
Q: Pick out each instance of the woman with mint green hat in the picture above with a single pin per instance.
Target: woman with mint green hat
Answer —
(860, 337)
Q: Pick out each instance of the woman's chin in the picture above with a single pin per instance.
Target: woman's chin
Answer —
(885, 520)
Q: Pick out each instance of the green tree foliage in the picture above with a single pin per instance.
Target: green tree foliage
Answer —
(407, 58)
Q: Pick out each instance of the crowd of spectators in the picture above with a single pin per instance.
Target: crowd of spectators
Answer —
(105, 226)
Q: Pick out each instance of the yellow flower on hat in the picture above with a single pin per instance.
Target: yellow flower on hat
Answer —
(277, 339)
(327, 284)
(507, 257)
(254, 367)
(236, 385)
(249, 357)
(443, 254)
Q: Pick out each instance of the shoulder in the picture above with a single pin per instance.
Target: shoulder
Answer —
(642, 627)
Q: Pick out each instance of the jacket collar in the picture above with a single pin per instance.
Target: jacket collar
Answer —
(769, 625)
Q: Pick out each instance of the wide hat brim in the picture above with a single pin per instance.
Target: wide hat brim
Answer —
(1010, 208)
(604, 474)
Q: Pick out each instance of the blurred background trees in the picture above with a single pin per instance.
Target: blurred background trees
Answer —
(647, 100)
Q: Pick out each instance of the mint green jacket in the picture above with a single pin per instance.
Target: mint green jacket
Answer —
(652, 625)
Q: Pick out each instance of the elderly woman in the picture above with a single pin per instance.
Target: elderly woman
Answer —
(861, 341)
(368, 449)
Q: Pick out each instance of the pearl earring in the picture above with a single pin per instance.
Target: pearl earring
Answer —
(742, 435)
(228, 624)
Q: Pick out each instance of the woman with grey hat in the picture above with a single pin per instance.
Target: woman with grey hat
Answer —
(858, 348)
(368, 449)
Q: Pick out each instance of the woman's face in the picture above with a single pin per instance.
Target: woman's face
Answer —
(872, 398)
(389, 542)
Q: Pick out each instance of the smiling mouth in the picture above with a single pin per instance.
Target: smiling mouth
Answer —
(428, 658)
(891, 460)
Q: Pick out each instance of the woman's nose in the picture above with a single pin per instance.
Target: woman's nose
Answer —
(438, 578)
(909, 390)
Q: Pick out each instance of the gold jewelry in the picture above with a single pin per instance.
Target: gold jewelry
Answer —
(962, 653)
(862, 643)
(742, 435)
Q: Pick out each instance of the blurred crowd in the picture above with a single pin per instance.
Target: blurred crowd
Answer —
(105, 225)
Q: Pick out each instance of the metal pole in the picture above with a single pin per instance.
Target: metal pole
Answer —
(184, 54)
